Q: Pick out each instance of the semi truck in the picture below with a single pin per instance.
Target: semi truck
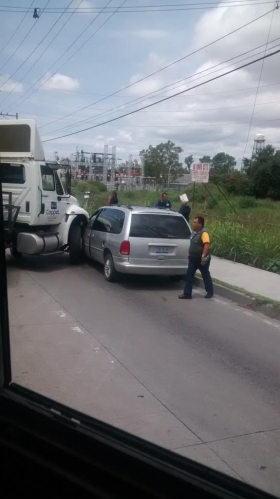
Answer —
(41, 217)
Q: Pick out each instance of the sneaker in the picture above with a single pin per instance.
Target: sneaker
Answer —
(208, 296)
(185, 297)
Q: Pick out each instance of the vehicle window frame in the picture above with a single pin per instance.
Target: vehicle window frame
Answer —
(91, 222)
(42, 179)
(102, 458)
(15, 165)
(112, 210)
(58, 185)
(103, 210)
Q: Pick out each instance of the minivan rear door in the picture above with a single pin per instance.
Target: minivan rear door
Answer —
(158, 239)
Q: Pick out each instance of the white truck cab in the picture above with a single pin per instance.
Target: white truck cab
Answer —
(39, 216)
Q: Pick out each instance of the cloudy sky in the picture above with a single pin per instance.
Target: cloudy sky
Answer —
(62, 68)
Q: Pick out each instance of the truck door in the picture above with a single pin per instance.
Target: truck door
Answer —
(53, 206)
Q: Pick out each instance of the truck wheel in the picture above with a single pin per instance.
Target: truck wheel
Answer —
(14, 252)
(110, 272)
(75, 245)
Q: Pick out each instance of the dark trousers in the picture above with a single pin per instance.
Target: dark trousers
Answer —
(194, 265)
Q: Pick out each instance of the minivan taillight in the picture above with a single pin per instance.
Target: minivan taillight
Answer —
(125, 248)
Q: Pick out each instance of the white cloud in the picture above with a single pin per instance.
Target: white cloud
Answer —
(10, 85)
(150, 34)
(61, 82)
(207, 120)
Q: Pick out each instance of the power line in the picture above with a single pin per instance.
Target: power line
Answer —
(10, 77)
(21, 43)
(163, 125)
(186, 111)
(203, 6)
(69, 58)
(172, 63)
(169, 97)
(257, 90)
(71, 92)
(39, 57)
(57, 9)
(10, 115)
(16, 30)
(130, 103)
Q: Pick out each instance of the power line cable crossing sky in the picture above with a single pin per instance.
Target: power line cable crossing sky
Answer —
(143, 63)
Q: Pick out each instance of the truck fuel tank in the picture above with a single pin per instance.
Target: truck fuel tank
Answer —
(34, 244)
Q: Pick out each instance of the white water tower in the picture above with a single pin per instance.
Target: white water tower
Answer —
(259, 143)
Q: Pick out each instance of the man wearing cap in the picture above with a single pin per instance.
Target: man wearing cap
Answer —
(199, 259)
(185, 209)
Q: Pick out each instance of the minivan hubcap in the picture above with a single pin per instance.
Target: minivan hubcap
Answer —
(107, 268)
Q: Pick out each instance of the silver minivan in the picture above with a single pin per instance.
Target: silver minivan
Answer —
(138, 240)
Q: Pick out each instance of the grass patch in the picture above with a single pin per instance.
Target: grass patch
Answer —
(243, 229)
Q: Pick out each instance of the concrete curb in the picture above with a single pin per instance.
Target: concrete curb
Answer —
(241, 299)
(229, 294)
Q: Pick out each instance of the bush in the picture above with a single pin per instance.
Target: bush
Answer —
(234, 183)
(247, 202)
(212, 203)
(245, 244)
(92, 186)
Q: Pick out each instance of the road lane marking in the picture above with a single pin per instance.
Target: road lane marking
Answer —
(61, 313)
(271, 323)
(78, 329)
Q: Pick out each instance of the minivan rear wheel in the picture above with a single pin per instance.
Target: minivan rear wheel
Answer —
(176, 278)
(110, 272)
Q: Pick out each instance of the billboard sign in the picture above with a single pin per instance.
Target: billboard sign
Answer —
(200, 172)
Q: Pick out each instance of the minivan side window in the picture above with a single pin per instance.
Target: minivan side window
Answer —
(110, 220)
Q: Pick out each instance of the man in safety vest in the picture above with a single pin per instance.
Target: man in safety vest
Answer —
(199, 259)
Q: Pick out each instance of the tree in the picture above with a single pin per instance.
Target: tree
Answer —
(264, 173)
(205, 159)
(189, 161)
(222, 163)
(162, 161)
(246, 162)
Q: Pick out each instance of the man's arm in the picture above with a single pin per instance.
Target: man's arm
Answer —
(206, 246)
(205, 249)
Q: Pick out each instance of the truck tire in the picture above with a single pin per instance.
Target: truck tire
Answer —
(14, 252)
(75, 245)
(110, 272)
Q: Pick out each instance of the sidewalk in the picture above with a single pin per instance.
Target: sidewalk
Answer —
(250, 279)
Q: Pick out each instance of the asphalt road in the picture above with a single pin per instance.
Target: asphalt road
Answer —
(200, 377)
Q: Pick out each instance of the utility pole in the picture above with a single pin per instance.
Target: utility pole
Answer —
(9, 115)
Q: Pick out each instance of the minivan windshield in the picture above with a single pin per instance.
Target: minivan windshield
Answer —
(159, 226)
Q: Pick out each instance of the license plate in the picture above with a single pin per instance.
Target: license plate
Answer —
(162, 250)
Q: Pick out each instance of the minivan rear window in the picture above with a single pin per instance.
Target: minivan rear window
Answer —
(159, 226)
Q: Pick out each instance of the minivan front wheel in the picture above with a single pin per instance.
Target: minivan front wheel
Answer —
(110, 272)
